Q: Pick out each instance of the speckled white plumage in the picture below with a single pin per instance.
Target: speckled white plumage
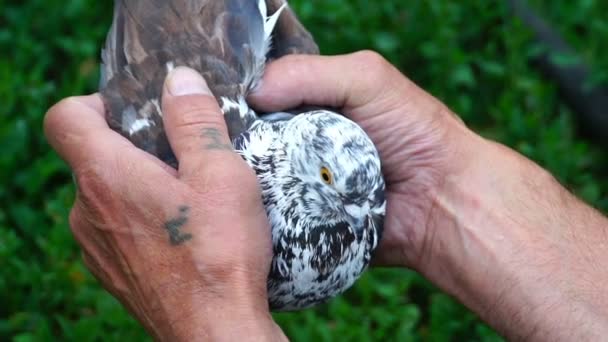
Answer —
(288, 156)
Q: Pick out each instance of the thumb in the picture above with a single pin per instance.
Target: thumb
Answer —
(193, 122)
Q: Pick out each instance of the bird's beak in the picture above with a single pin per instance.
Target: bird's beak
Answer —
(378, 223)
(359, 217)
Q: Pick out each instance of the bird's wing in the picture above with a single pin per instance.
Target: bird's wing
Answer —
(227, 41)
(290, 37)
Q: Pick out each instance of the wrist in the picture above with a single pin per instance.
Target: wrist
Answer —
(213, 320)
(225, 323)
(499, 240)
(189, 311)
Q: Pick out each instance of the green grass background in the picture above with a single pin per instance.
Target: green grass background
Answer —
(470, 54)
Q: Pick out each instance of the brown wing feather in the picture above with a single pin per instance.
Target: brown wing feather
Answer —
(224, 40)
(290, 36)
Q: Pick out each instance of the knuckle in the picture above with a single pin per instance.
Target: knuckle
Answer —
(245, 177)
(76, 224)
(74, 218)
(371, 61)
(228, 181)
(88, 180)
(383, 81)
(236, 168)
(94, 185)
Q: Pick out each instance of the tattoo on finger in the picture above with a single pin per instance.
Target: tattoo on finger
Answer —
(174, 226)
(216, 140)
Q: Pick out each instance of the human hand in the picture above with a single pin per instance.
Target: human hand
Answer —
(186, 251)
(414, 133)
(477, 219)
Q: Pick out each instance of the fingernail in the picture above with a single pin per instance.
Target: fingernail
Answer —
(185, 81)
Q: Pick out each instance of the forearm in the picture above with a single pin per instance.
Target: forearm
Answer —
(521, 251)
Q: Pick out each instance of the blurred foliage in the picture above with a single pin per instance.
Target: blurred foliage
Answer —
(472, 55)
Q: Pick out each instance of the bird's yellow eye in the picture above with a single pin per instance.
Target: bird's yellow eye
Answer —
(326, 176)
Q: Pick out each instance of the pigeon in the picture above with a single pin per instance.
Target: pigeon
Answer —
(320, 174)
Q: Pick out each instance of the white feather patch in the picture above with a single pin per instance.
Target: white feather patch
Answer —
(157, 106)
(263, 8)
(170, 66)
(271, 21)
(150, 108)
(138, 125)
(241, 106)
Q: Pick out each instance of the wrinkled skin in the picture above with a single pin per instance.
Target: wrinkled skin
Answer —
(477, 219)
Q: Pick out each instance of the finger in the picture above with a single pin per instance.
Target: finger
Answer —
(74, 121)
(347, 81)
(194, 123)
(76, 128)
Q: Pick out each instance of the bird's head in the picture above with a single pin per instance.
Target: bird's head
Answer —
(338, 171)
